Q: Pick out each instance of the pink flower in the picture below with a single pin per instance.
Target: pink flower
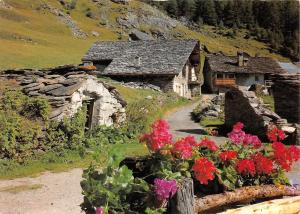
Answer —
(99, 210)
(164, 189)
(159, 137)
(252, 140)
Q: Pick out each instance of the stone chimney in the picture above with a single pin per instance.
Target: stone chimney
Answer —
(242, 59)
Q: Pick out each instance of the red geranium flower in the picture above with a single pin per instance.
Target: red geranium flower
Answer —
(159, 137)
(183, 149)
(245, 167)
(211, 145)
(295, 153)
(276, 135)
(283, 156)
(204, 170)
(191, 140)
(238, 126)
(263, 165)
(228, 155)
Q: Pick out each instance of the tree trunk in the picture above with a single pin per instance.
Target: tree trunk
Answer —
(183, 201)
(241, 194)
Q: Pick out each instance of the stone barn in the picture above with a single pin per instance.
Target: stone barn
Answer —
(172, 65)
(68, 88)
(222, 72)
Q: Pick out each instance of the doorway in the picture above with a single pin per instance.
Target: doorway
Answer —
(89, 112)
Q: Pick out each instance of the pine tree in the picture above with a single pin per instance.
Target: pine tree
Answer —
(188, 8)
(172, 7)
(209, 12)
(229, 16)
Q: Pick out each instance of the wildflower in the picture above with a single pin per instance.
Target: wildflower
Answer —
(159, 137)
(204, 170)
(276, 135)
(211, 145)
(164, 189)
(228, 155)
(183, 148)
(99, 210)
(245, 167)
(263, 165)
(282, 156)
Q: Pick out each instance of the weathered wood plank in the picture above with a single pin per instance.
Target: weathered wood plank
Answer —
(286, 205)
(183, 201)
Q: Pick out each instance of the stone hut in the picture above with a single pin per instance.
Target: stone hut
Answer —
(286, 92)
(68, 88)
(172, 65)
(222, 72)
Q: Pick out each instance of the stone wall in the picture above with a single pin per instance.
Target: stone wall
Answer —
(66, 88)
(286, 91)
(244, 106)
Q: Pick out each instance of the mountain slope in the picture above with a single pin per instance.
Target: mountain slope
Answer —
(40, 33)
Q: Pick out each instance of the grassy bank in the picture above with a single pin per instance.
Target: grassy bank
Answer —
(57, 163)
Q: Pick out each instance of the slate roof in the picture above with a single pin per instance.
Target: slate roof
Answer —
(156, 57)
(223, 63)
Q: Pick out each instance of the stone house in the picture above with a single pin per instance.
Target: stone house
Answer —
(67, 88)
(221, 71)
(172, 65)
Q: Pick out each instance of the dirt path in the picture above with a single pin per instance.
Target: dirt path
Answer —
(182, 125)
(60, 193)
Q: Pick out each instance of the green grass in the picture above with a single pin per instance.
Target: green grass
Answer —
(51, 162)
(269, 100)
(20, 188)
(206, 122)
(36, 38)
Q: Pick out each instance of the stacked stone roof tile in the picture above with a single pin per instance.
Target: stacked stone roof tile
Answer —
(155, 57)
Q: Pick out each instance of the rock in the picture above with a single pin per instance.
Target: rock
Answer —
(56, 112)
(35, 88)
(69, 82)
(287, 97)
(49, 88)
(31, 85)
(212, 113)
(65, 91)
(243, 106)
(121, 1)
(4, 5)
(138, 35)
(149, 97)
(95, 34)
(53, 76)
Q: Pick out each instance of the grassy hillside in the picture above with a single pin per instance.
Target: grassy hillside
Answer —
(31, 36)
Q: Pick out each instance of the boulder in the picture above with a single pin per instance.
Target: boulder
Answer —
(136, 35)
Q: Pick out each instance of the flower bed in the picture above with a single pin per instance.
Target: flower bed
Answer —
(176, 170)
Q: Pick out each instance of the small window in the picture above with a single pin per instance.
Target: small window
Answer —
(256, 78)
(230, 76)
(219, 76)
